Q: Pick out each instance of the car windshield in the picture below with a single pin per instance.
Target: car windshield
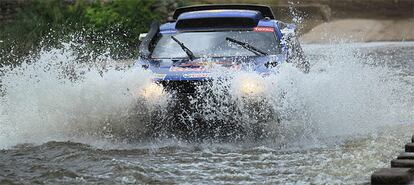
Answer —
(215, 44)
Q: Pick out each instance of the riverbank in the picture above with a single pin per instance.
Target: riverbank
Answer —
(361, 30)
(327, 21)
(332, 21)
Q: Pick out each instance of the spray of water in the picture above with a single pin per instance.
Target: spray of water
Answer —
(54, 97)
(345, 94)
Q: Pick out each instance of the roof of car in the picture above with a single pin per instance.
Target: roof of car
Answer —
(218, 19)
(220, 14)
(170, 27)
(266, 11)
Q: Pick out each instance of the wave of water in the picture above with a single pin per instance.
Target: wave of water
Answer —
(346, 93)
(55, 97)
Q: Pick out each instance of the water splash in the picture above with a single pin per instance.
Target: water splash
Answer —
(346, 93)
(54, 97)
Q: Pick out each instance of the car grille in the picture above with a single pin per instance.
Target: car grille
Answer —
(182, 86)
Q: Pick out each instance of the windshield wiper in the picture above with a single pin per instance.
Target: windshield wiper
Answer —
(189, 53)
(247, 46)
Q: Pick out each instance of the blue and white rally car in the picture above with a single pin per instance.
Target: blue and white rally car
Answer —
(228, 35)
(181, 52)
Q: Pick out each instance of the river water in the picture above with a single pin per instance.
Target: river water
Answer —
(350, 115)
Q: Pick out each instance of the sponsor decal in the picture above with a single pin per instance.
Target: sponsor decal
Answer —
(263, 29)
(194, 64)
(203, 66)
(236, 67)
(186, 69)
(265, 74)
(160, 76)
(201, 63)
(196, 75)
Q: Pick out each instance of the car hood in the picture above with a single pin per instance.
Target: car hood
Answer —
(201, 68)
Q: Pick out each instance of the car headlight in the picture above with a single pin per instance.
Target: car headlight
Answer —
(152, 91)
(250, 85)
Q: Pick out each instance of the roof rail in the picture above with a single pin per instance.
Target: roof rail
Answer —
(265, 10)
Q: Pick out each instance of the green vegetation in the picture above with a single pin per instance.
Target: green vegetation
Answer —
(98, 25)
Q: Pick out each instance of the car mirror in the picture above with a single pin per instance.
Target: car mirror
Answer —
(142, 36)
(271, 64)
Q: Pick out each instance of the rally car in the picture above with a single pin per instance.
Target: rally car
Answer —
(239, 37)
